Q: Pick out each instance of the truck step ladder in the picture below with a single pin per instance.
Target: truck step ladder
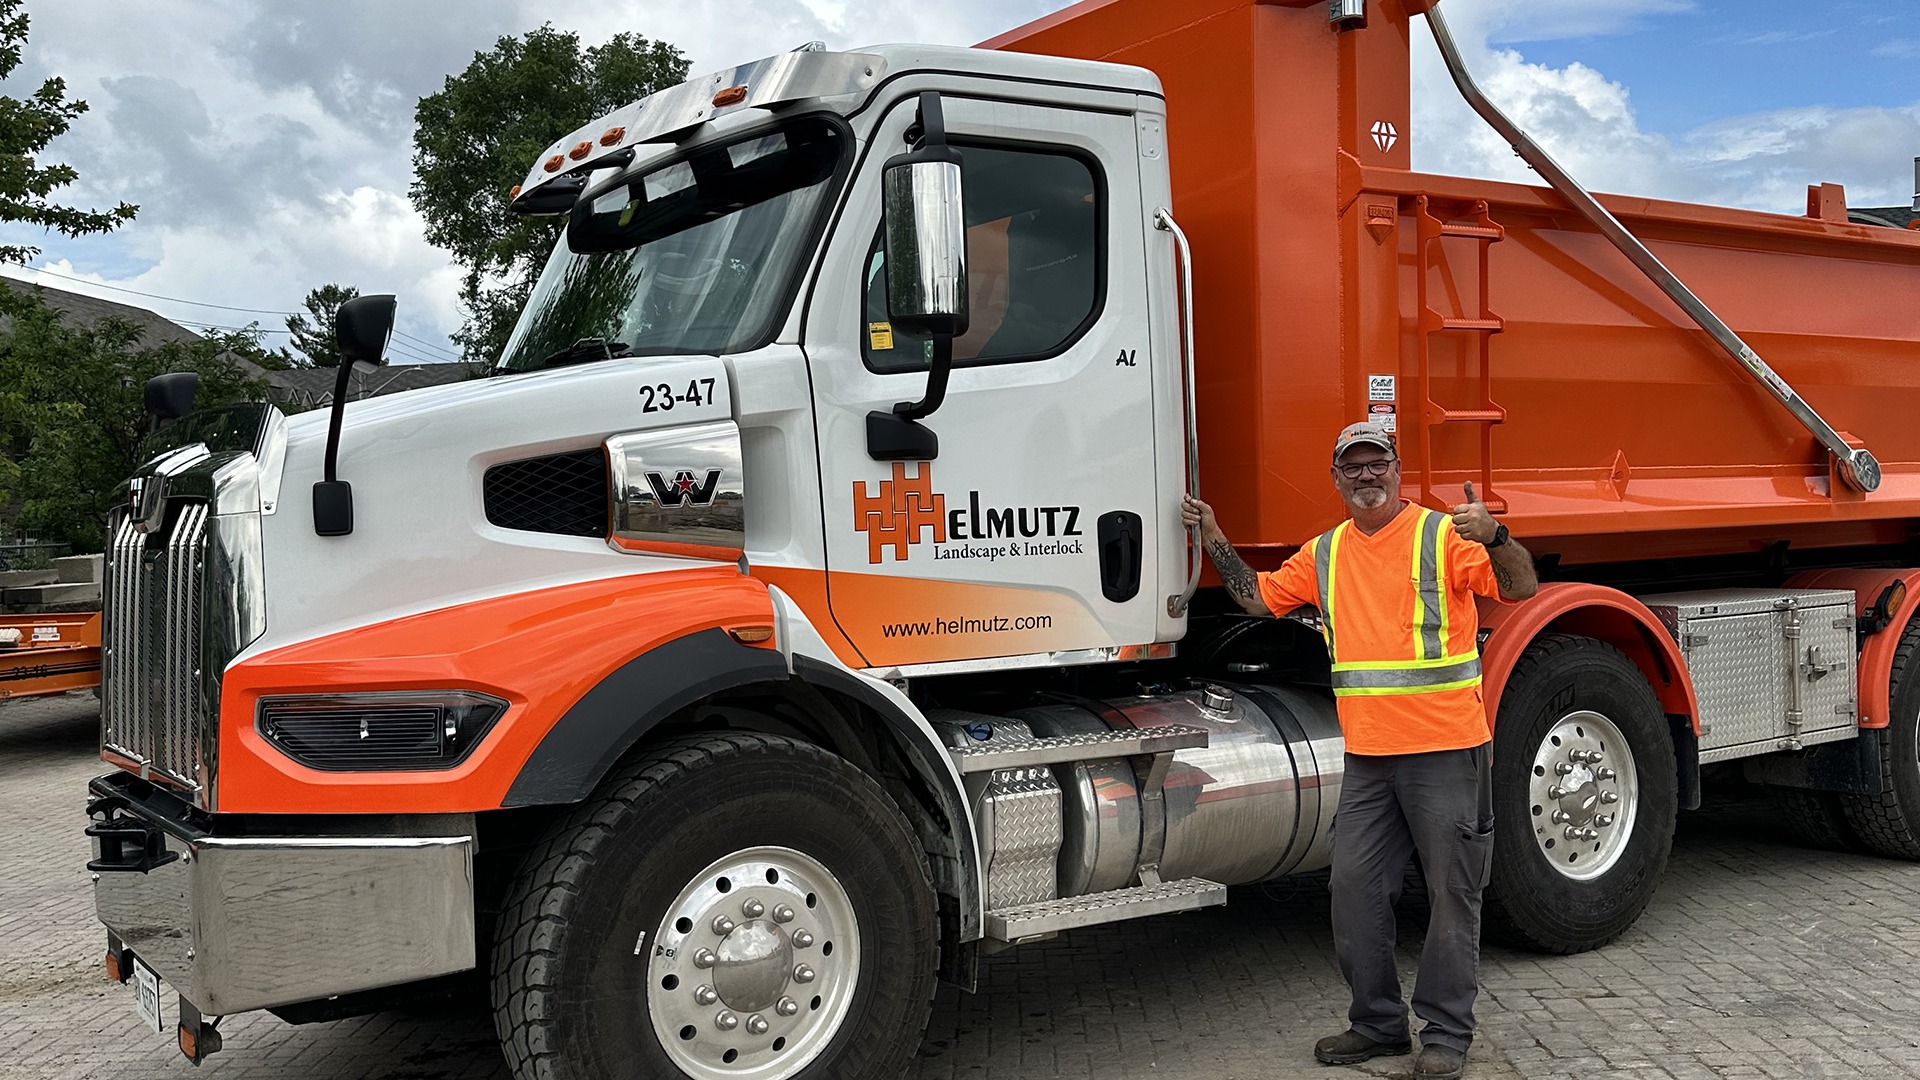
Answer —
(1012, 755)
(1053, 916)
(1062, 749)
(1477, 320)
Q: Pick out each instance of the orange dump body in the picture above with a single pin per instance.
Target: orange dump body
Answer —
(55, 654)
(1527, 354)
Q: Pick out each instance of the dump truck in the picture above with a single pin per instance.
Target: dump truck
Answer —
(803, 612)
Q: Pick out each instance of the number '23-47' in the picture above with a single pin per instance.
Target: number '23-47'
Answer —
(661, 398)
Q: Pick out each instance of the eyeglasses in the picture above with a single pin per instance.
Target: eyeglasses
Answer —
(1367, 468)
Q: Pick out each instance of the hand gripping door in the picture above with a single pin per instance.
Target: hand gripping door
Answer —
(991, 547)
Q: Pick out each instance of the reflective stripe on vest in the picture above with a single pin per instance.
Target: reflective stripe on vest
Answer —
(1431, 670)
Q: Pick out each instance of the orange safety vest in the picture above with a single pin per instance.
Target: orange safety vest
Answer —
(1401, 629)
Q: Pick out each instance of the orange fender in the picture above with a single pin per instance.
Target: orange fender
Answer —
(1593, 611)
(1876, 654)
(542, 651)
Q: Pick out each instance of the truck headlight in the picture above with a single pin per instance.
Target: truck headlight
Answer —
(391, 731)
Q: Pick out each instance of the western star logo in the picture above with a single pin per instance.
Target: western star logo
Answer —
(682, 489)
(906, 510)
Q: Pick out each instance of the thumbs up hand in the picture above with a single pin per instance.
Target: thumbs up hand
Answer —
(1471, 519)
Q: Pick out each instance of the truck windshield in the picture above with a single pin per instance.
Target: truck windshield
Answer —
(694, 256)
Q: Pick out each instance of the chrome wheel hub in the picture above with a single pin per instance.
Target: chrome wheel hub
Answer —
(753, 967)
(1583, 793)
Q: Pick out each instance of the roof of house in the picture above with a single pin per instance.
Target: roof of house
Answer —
(1899, 217)
(154, 330)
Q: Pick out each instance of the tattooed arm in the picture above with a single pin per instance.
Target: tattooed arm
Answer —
(1513, 569)
(1239, 578)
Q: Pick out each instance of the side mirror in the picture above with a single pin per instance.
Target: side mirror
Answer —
(361, 328)
(924, 207)
(926, 244)
(170, 396)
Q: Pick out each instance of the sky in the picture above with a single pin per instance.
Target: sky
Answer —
(268, 142)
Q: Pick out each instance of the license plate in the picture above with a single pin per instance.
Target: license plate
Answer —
(146, 995)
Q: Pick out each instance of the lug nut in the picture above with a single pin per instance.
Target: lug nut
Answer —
(1563, 768)
(1589, 834)
(1560, 817)
(1605, 774)
(1556, 792)
(1603, 820)
(803, 939)
(783, 913)
(756, 1024)
(752, 909)
(1573, 832)
(703, 959)
(787, 1006)
(803, 974)
(726, 1021)
(1576, 755)
(722, 925)
(1609, 797)
(706, 995)
(1593, 757)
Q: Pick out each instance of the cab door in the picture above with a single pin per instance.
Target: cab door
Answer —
(1027, 534)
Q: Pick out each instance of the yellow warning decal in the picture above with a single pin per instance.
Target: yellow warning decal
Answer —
(880, 335)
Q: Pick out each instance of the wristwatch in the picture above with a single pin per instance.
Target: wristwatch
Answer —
(1500, 536)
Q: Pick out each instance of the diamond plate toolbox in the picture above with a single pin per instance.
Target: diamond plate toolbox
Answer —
(1773, 669)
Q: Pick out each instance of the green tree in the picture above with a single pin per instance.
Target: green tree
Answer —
(27, 125)
(477, 137)
(72, 409)
(312, 342)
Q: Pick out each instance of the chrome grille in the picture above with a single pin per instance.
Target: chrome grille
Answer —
(153, 707)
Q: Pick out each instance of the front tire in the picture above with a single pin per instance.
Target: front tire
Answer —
(732, 907)
(1584, 797)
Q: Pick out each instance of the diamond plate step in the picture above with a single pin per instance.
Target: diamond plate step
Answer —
(1049, 916)
(1020, 753)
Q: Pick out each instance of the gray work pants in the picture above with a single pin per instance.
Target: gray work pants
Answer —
(1441, 805)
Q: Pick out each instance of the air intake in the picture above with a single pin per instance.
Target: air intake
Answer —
(565, 494)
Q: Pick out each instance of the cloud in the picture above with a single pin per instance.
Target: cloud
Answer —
(1899, 49)
(1762, 161)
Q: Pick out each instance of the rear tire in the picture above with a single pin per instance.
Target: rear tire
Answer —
(1889, 823)
(1567, 699)
(1815, 818)
(737, 905)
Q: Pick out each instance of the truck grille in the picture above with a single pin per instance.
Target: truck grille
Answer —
(153, 709)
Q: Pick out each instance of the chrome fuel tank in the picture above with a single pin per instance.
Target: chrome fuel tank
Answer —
(1255, 804)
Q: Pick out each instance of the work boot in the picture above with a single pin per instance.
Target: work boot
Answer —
(1350, 1047)
(1439, 1063)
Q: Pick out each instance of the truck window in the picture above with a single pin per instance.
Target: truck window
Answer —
(1035, 271)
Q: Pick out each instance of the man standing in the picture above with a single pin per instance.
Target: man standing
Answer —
(1395, 589)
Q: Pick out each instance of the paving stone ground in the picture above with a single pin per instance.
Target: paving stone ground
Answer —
(1757, 959)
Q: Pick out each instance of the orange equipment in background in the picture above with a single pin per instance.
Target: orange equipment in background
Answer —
(48, 654)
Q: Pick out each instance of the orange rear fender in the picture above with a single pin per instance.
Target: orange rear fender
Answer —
(550, 653)
(1592, 611)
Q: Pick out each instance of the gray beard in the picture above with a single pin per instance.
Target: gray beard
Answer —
(1370, 498)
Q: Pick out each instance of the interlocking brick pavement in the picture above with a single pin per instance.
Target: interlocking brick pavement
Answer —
(1756, 960)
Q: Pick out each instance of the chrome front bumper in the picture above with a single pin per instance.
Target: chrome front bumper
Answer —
(240, 923)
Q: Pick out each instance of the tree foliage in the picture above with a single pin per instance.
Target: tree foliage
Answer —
(477, 137)
(313, 343)
(27, 125)
(72, 409)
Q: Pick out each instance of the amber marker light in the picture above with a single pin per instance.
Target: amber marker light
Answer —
(612, 136)
(750, 635)
(114, 970)
(732, 95)
(553, 163)
(515, 193)
(580, 149)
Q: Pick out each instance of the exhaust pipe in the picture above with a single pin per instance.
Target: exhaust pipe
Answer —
(1916, 185)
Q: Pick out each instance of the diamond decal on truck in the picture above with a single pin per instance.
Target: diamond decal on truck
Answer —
(1385, 135)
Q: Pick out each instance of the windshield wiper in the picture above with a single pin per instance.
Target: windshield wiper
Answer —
(587, 348)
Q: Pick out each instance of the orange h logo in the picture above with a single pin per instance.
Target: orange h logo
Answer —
(895, 517)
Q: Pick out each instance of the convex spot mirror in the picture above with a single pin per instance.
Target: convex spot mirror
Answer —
(362, 327)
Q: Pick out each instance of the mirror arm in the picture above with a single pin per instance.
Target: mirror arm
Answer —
(333, 423)
(936, 382)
